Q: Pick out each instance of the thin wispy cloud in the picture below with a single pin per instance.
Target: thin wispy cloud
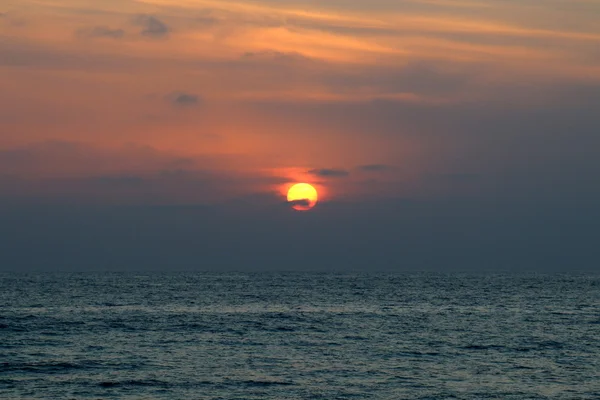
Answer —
(375, 167)
(100, 32)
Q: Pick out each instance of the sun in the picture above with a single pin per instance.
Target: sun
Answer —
(303, 196)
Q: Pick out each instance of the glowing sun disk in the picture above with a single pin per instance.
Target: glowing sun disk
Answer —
(303, 196)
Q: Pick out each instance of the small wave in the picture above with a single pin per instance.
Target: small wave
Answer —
(266, 383)
(523, 367)
(522, 349)
(45, 367)
(550, 344)
(109, 304)
(355, 337)
(483, 347)
(422, 353)
(150, 382)
(284, 329)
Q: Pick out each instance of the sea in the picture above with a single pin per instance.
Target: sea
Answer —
(299, 336)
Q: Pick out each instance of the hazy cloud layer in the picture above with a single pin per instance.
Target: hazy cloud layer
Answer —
(83, 174)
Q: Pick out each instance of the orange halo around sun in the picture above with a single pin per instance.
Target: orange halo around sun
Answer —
(303, 196)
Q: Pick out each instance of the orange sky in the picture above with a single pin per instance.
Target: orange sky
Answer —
(258, 93)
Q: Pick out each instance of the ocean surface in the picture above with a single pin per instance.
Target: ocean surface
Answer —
(299, 336)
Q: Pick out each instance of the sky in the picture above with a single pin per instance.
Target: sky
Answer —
(164, 134)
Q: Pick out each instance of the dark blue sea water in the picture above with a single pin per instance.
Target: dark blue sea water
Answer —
(299, 336)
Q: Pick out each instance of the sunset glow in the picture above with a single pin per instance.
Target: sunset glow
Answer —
(203, 101)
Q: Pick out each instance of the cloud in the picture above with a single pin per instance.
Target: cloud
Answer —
(183, 99)
(329, 173)
(152, 26)
(274, 56)
(60, 171)
(64, 158)
(458, 177)
(374, 167)
(206, 21)
(301, 203)
(117, 181)
(9, 19)
(100, 32)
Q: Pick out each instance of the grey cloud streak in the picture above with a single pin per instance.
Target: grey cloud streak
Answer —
(329, 173)
(182, 99)
(152, 26)
(303, 203)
